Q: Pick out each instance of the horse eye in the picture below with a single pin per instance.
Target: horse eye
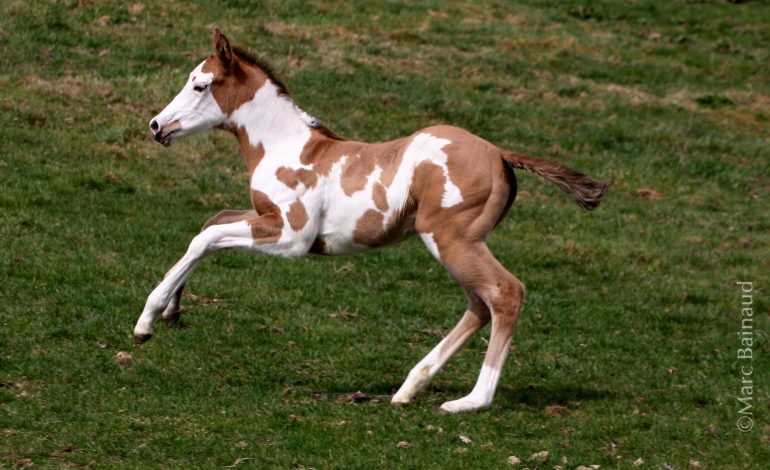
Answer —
(200, 88)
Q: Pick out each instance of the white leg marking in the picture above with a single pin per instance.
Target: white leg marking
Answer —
(420, 375)
(235, 235)
(480, 397)
(163, 294)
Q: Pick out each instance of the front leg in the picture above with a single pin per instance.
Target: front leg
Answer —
(263, 234)
(172, 311)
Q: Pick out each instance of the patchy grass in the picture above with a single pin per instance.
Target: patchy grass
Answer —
(627, 346)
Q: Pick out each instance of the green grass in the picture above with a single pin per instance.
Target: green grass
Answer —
(631, 314)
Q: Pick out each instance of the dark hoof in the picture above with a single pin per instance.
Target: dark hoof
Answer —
(171, 321)
(139, 339)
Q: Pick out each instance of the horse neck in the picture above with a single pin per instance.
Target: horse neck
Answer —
(270, 124)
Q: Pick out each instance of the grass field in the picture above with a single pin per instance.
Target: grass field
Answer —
(627, 349)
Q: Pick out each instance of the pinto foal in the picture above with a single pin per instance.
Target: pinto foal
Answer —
(315, 192)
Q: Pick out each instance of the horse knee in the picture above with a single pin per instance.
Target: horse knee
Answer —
(200, 245)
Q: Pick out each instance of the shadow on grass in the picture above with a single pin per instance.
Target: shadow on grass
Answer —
(540, 396)
(526, 396)
(532, 396)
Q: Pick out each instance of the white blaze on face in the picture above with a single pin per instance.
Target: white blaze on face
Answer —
(194, 109)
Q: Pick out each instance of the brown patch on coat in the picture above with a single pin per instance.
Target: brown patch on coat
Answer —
(291, 177)
(427, 177)
(229, 216)
(380, 197)
(469, 175)
(484, 179)
(265, 230)
(287, 176)
(251, 155)
(297, 215)
(390, 160)
(355, 173)
(268, 226)
(322, 153)
(307, 177)
(263, 205)
(233, 84)
(371, 229)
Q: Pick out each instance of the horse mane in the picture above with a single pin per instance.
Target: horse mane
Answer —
(263, 65)
(260, 63)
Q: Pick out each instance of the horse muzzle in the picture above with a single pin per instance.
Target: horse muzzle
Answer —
(164, 134)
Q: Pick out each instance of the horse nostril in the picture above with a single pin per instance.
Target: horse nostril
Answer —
(154, 125)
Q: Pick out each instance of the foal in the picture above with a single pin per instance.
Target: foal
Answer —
(315, 192)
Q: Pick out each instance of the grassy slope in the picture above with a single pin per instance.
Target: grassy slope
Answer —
(631, 312)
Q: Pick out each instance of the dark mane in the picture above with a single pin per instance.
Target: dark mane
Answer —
(326, 131)
(250, 58)
(260, 63)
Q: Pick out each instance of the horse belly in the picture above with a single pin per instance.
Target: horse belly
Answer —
(356, 225)
(338, 227)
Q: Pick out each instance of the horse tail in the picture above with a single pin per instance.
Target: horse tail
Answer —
(587, 192)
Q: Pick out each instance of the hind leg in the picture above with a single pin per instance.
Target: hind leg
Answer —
(476, 316)
(478, 271)
(171, 313)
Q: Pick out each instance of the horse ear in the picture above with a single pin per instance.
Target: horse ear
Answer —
(222, 46)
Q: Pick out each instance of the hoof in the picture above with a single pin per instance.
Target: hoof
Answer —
(139, 339)
(171, 320)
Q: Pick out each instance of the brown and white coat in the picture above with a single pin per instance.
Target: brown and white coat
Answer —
(314, 192)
